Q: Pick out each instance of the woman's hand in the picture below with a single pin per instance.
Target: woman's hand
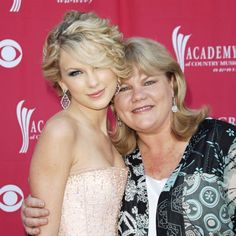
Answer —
(33, 215)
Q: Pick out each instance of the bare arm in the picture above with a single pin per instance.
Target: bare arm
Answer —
(50, 166)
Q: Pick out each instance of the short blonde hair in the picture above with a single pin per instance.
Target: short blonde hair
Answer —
(149, 57)
(88, 37)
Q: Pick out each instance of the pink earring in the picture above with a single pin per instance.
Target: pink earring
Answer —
(117, 88)
(65, 101)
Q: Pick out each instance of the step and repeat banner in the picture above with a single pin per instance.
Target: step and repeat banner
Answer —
(200, 34)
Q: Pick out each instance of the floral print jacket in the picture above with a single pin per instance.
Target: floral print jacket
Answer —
(199, 198)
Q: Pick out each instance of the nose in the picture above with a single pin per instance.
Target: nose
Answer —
(138, 94)
(92, 79)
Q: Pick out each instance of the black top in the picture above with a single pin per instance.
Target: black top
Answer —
(199, 198)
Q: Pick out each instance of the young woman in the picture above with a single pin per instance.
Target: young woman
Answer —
(75, 167)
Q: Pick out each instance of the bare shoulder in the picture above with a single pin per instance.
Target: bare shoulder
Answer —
(56, 142)
(59, 127)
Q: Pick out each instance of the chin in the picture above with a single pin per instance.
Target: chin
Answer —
(143, 127)
(104, 104)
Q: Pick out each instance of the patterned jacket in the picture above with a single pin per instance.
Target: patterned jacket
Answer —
(199, 198)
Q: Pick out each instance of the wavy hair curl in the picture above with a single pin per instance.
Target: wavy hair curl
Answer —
(91, 39)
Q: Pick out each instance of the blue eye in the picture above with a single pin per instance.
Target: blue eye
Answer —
(10, 53)
(75, 73)
(150, 82)
(12, 198)
(124, 88)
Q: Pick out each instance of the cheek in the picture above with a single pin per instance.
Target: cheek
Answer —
(116, 104)
(114, 83)
(164, 94)
(76, 88)
(120, 104)
(111, 83)
(109, 77)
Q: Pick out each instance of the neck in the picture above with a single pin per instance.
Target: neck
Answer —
(161, 153)
(156, 142)
(91, 117)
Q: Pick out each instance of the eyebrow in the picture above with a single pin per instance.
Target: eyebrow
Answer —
(72, 68)
(76, 67)
(125, 82)
(145, 78)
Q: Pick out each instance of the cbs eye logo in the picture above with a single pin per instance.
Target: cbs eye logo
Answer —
(10, 53)
(11, 198)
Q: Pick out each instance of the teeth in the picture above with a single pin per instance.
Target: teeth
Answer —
(141, 109)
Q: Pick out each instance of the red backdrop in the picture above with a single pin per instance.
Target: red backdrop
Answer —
(200, 34)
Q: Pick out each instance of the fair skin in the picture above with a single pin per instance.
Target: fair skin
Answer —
(63, 145)
(144, 104)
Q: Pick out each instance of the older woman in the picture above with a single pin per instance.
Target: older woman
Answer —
(182, 166)
(182, 178)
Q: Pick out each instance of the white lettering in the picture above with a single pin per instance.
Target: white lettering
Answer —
(229, 119)
(189, 54)
(228, 63)
(234, 51)
(210, 52)
(40, 125)
(203, 54)
(232, 120)
(218, 52)
(204, 63)
(33, 128)
(195, 52)
(37, 127)
(226, 52)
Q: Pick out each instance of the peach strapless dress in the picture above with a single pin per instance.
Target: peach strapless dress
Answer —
(92, 202)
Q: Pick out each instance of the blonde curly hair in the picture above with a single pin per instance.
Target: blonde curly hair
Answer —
(88, 37)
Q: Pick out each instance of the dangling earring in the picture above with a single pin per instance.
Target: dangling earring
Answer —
(65, 101)
(119, 122)
(174, 107)
(117, 88)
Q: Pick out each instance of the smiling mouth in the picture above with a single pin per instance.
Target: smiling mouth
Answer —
(96, 94)
(142, 109)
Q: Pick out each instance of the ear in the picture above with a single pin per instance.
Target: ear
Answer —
(172, 85)
(118, 80)
(63, 86)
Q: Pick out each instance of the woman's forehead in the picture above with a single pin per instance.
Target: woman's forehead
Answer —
(138, 72)
(89, 54)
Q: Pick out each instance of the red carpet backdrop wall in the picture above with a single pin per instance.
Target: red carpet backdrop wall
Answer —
(200, 34)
